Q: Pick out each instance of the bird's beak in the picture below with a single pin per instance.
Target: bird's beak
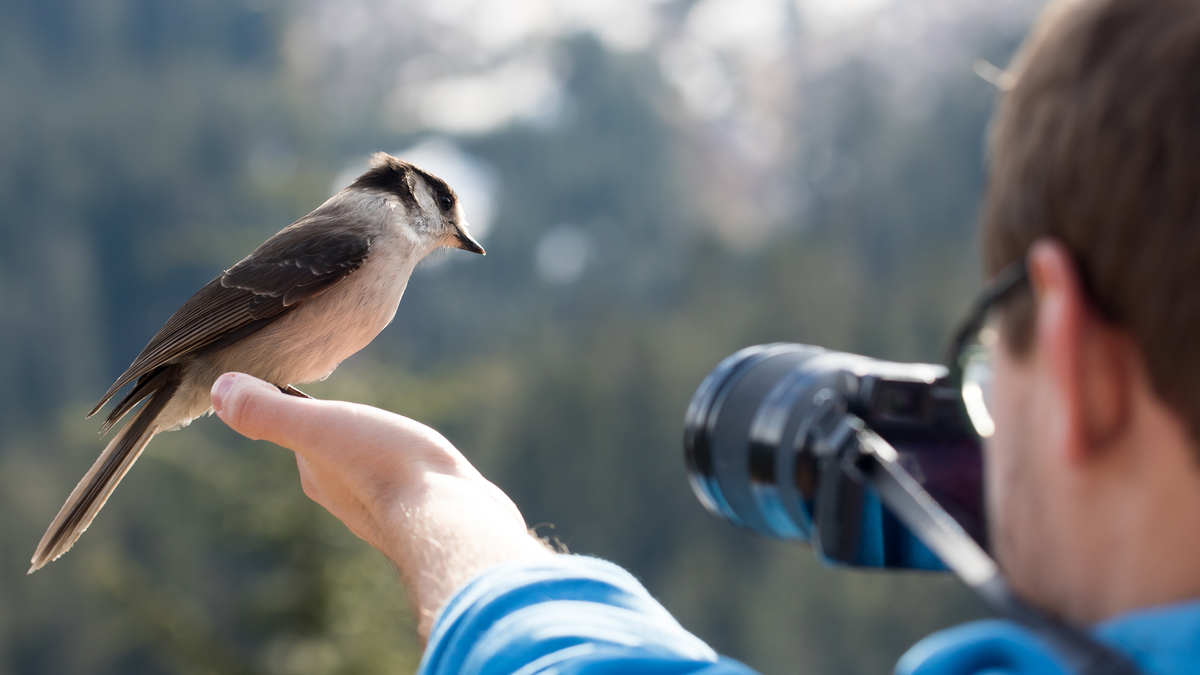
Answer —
(464, 240)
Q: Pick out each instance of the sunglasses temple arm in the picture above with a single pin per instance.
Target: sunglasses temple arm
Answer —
(1000, 286)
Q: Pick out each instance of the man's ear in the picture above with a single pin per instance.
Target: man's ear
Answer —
(1085, 361)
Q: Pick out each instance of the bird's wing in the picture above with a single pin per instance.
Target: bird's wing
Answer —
(286, 270)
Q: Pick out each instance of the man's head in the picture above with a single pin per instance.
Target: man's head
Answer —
(1095, 176)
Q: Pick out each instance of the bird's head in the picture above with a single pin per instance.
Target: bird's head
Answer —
(434, 215)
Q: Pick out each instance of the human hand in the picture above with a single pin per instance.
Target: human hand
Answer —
(396, 483)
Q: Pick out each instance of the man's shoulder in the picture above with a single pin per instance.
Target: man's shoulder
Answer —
(981, 646)
(1163, 640)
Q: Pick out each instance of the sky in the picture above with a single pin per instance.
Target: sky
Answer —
(469, 66)
(737, 69)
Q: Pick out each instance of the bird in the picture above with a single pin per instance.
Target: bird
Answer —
(310, 296)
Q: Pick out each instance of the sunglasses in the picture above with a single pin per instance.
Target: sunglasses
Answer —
(971, 355)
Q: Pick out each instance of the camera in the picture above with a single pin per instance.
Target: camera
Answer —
(765, 437)
(876, 464)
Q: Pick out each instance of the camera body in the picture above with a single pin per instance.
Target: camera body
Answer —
(761, 447)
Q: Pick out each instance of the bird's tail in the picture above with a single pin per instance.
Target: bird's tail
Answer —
(99, 482)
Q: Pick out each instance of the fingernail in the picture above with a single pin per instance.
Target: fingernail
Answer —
(220, 389)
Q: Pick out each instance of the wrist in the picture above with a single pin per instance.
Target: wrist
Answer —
(441, 508)
(447, 528)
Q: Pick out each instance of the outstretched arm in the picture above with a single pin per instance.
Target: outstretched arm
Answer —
(403, 488)
(396, 483)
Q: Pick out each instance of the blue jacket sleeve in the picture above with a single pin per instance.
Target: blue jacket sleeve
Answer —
(564, 614)
(571, 615)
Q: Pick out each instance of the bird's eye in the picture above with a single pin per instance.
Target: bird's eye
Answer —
(446, 201)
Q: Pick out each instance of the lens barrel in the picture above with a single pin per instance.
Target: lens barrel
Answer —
(733, 436)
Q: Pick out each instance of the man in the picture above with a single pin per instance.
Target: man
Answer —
(1093, 473)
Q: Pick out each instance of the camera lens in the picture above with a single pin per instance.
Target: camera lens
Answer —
(740, 437)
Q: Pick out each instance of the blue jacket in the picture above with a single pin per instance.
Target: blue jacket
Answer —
(576, 615)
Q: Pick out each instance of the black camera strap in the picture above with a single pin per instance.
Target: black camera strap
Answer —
(869, 459)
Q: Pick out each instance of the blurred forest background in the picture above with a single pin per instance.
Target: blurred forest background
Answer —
(657, 182)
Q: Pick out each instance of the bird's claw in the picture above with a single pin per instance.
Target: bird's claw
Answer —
(292, 391)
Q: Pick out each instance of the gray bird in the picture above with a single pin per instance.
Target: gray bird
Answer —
(313, 294)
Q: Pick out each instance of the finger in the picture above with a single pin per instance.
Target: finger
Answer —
(315, 429)
(252, 407)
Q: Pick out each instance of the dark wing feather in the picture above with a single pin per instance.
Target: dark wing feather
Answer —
(300, 262)
(288, 274)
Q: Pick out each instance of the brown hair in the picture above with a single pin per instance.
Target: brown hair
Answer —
(1097, 145)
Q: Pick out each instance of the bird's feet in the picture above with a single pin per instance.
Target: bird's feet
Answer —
(292, 391)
